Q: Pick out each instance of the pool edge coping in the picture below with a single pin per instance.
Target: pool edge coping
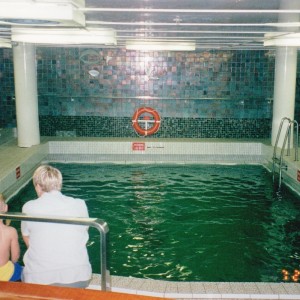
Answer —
(201, 290)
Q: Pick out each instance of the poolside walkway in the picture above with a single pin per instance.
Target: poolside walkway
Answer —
(202, 290)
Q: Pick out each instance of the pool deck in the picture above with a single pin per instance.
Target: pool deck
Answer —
(11, 156)
(201, 290)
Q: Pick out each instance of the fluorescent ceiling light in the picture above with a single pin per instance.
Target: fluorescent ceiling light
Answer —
(5, 43)
(42, 12)
(152, 24)
(195, 11)
(282, 39)
(65, 36)
(160, 46)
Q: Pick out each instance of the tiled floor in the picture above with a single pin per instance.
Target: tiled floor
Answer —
(11, 156)
(201, 290)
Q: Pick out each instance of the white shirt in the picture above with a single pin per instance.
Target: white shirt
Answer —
(57, 252)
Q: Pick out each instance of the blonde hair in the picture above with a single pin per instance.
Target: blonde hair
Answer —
(48, 178)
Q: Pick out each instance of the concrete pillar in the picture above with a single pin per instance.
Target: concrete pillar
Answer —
(285, 76)
(284, 90)
(26, 95)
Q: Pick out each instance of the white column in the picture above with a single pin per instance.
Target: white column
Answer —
(26, 95)
(285, 76)
(284, 90)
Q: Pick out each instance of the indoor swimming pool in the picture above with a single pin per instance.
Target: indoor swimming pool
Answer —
(216, 223)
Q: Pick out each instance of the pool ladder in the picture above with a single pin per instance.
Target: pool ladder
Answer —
(278, 161)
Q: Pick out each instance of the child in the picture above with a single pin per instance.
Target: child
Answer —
(10, 270)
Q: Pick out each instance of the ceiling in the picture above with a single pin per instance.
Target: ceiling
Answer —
(211, 24)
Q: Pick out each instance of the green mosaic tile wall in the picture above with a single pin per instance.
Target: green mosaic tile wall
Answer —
(197, 94)
(7, 90)
(170, 127)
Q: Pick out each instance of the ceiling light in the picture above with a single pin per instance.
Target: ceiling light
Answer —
(64, 36)
(5, 43)
(160, 46)
(282, 39)
(42, 12)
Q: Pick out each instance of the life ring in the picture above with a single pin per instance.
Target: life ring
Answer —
(146, 120)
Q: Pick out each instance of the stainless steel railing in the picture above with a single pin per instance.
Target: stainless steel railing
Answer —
(287, 137)
(93, 222)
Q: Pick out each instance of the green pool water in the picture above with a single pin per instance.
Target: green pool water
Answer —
(187, 222)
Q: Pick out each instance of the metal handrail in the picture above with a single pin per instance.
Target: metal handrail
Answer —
(287, 138)
(278, 134)
(274, 158)
(93, 222)
(296, 142)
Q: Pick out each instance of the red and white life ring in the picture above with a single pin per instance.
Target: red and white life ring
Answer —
(146, 120)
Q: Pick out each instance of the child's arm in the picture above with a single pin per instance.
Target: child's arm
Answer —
(14, 246)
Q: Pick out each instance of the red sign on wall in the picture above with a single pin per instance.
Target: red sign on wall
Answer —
(18, 172)
(138, 146)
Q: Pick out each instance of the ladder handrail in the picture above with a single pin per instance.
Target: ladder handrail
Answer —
(93, 222)
(278, 134)
(296, 141)
(287, 137)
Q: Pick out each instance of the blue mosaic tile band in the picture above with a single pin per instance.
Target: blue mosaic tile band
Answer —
(170, 127)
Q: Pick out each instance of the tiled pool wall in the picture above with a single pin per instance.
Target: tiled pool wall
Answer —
(144, 152)
(158, 151)
(291, 176)
(203, 94)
